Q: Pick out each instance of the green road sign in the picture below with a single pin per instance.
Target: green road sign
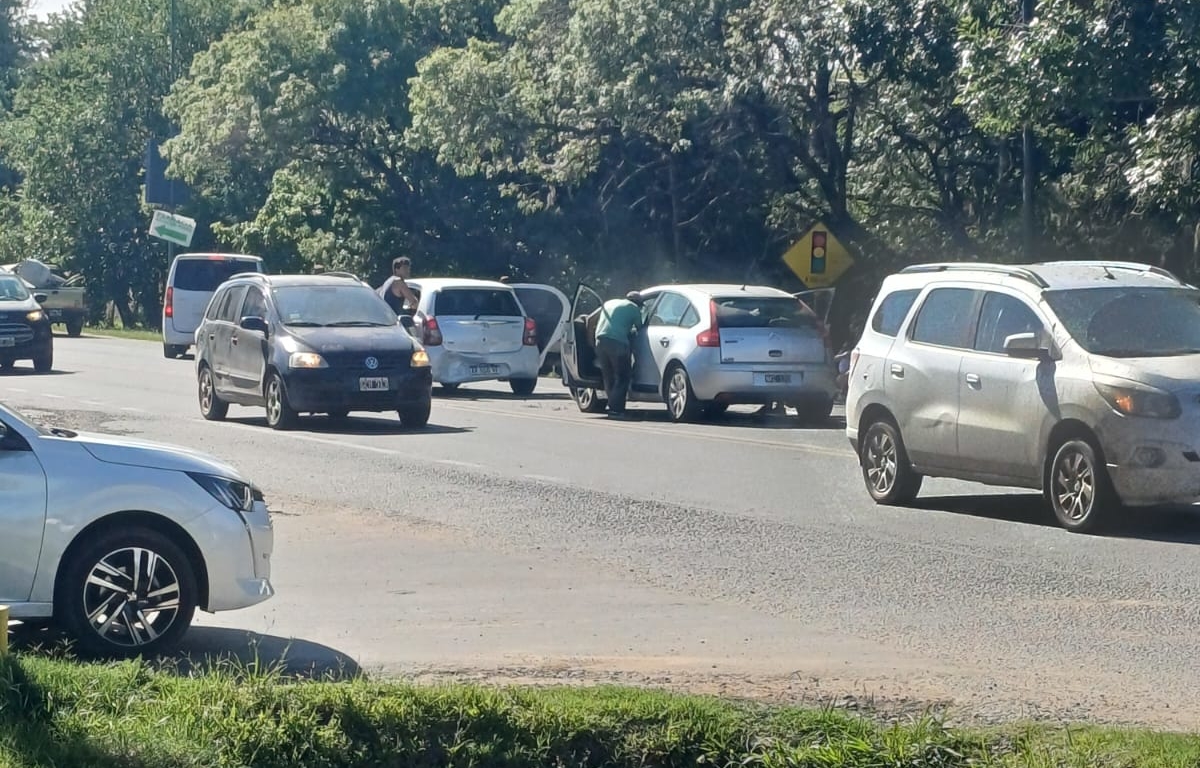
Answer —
(172, 228)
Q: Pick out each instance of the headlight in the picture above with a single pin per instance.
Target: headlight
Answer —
(306, 360)
(420, 359)
(236, 495)
(35, 316)
(1143, 401)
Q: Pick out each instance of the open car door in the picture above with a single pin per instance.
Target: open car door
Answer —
(819, 300)
(580, 371)
(550, 309)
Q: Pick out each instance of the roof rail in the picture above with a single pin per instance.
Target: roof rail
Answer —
(1128, 266)
(967, 266)
(337, 273)
(260, 275)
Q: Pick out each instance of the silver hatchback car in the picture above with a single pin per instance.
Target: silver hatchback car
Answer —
(702, 348)
(1080, 379)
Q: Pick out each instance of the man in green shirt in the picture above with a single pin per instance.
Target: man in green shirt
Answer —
(619, 322)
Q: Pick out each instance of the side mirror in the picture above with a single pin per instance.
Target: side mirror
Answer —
(255, 324)
(40, 298)
(1026, 345)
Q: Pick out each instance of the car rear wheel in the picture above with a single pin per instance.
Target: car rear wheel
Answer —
(280, 414)
(127, 592)
(212, 407)
(889, 477)
(416, 416)
(1079, 489)
(522, 387)
(681, 398)
(172, 351)
(589, 400)
(74, 327)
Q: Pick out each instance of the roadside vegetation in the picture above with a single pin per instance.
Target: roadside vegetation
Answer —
(59, 712)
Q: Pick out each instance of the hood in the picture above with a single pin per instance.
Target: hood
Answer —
(16, 310)
(393, 338)
(143, 453)
(1174, 373)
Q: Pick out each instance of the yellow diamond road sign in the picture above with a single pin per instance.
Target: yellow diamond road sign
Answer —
(818, 258)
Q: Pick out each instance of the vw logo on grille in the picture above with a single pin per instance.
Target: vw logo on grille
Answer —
(371, 363)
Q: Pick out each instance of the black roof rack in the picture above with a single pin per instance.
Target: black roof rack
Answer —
(966, 266)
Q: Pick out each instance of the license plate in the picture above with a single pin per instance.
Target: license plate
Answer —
(776, 379)
(56, 313)
(478, 370)
(7, 341)
(373, 384)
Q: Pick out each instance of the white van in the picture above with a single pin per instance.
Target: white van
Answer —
(191, 283)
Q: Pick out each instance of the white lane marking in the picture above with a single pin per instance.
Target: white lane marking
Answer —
(549, 479)
(135, 410)
(91, 402)
(454, 463)
(314, 439)
(49, 396)
(17, 389)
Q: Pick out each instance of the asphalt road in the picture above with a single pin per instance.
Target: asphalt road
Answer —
(517, 538)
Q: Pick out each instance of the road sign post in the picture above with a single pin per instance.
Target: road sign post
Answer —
(818, 258)
(173, 228)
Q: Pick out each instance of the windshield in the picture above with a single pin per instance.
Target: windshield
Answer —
(12, 289)
(1131, 321)
(332, 306)
(763, 312)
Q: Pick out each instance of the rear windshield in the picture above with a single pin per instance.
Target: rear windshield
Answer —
(207, 274)
(765, 312)
(477, 302)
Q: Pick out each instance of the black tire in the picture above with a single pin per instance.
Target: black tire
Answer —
(522, 387)
(171, 351)
(7, 365)
(680, 397)
(417, 416)
(212, 407)
(1078, 487)
(889, 477)
(450, 387)
(74, 327)
(339, 414)
(589, 400)
(43, 362)
(713, 410)
(76, 598)
(280, 414)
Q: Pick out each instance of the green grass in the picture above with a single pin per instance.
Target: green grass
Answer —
(141, 334)
(63, 713)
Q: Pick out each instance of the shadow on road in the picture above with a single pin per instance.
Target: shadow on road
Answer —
(354, 425)
(651, 414)
(27, 370)
(1179, 525)
(217, 647)
(468, 394)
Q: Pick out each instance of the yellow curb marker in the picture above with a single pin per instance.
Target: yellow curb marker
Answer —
(4, 625)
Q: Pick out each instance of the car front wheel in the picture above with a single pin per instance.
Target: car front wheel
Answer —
(1078, 487)
(416, 416)
(280, 414)
(127, 592)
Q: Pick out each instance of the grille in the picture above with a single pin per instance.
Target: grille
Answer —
(22, 333)
(356, 361)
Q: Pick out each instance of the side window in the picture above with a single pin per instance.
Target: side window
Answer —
(1002, 316)
(214, 306)
(892, 311)
(229, 307)
(255, 305)
(669, 311)
(690, 317)
(946, 318)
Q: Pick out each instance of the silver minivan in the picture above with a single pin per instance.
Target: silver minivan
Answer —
(191, 282)
(1077, 378)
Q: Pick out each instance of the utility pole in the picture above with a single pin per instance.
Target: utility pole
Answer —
(172, 74)
(1028, 172)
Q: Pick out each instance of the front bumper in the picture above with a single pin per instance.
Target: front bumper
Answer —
(463, 367)
(20, 341)
(1152, 462)
(751, 384)
(237, 549)
(326, 389)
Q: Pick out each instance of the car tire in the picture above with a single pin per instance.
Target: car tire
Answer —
(814, 413)
(680, 397)
(78, 596)
(589, 400)
(171, 351)
(7, 365)
(450, 386)
(522, 387)
(43, 362)
(889, 477)
(417, 416)
(212, 407)
(1078, 487)
(74, 327)
(341, 414)
(280, 414)
(714, 410)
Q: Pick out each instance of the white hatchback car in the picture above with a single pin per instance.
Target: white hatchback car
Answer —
(119, 541)
(191, 282)
(478, 330)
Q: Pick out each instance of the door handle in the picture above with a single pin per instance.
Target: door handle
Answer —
(897, 371)
(665, 341)
(212, 337)
(973, 379)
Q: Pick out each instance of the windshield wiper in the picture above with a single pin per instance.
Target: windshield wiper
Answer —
(356, 324)
(304, 324)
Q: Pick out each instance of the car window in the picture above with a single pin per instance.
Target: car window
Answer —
(690, 317)
(207, 274)
(892, 311)
(12, 289)
(669, 309)
(475, 302)
(945, 319)
(1128, 321)
(331, 306)
(255, 304)
(763, 312)
(1001, 317)
(233, 299)
(214, 306)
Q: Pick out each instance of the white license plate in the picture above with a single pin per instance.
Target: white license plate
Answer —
(479, 370)
(7, 341)
(56, 313)
(373, 384)
(777, 379)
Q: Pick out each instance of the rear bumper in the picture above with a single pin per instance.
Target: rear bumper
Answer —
(323, 390)
(752, 384)
(462, 367)
(177, 338)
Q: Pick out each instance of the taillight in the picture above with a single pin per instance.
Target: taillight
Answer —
(431, 334)
(530, 338)
(712, 336)
(853, 359)
(168, 303)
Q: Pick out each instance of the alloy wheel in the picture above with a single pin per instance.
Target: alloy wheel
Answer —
(131, 597)
(881, 461)
(1074, 484)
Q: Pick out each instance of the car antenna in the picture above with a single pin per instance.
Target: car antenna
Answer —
(1108, 274)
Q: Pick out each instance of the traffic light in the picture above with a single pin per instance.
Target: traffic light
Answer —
(818, 253)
